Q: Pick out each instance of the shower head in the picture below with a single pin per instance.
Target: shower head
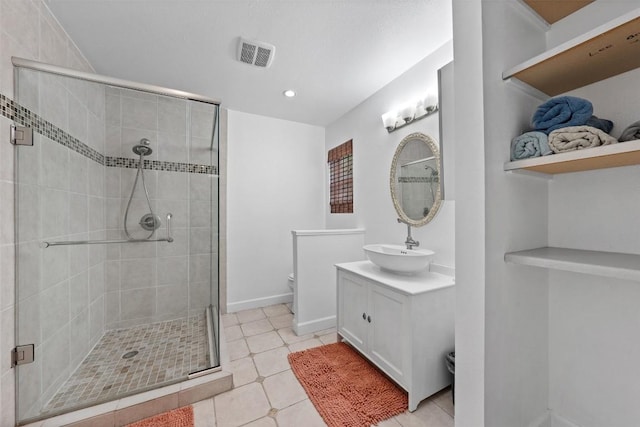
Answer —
(143, 148)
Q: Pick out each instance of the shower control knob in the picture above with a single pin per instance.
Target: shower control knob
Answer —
(369, 319)
(150, 222)
(364, 316)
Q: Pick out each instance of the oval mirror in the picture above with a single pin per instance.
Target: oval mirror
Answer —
(415, 179)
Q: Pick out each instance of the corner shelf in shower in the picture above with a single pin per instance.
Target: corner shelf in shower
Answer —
(598, 263)
(603, 157)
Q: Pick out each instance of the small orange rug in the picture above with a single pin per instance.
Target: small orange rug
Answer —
(346, 390)
(181, 417)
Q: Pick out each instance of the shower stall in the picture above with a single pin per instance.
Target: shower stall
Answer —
(117, 242)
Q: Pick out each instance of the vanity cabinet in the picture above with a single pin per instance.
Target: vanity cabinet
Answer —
(403, 324)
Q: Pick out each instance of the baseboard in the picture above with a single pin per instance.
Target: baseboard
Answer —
(550, 419)
(543, 420)
(313, 325)
(558, 421)
(232, 307)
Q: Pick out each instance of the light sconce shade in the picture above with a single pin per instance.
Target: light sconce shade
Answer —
(431, 103)
(410, 112)
(389, 120)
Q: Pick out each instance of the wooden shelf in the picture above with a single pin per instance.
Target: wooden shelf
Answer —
(554, 10)
(608, 264)
(606, 51)
(606, 156)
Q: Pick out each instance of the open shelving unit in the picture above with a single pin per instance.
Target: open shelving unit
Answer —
(608, 264)
(603, 52)
(554, 10)
(606, 156)
(606, 51)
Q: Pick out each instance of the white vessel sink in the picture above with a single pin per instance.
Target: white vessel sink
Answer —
(398, 258)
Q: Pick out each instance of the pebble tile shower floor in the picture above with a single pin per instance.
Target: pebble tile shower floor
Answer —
(167, 351)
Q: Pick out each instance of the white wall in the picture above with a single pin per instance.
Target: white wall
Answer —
(275, 184)
(593, 356)
(470, 214)
(316, 252)
(373, 150)
(516, 299)
(501, 311)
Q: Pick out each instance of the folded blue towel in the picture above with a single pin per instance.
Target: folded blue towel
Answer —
(561, 112)
(602, 124)
(530, 144)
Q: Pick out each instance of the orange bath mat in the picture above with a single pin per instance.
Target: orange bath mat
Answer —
(181, 417)
(345, 389)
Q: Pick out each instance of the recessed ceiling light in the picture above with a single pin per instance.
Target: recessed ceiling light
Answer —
(289, 93)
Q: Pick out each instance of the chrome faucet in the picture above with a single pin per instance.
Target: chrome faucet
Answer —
(409, 242)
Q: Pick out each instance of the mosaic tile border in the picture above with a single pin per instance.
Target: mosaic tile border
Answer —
(410, 179)
(25, 117)
(125, 162)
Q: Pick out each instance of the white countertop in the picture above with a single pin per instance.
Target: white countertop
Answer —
(416, 283)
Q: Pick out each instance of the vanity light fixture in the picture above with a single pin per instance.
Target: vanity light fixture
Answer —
(289, 93)
(410, 112)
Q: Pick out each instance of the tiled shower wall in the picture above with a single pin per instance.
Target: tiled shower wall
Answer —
(149, 282)
(27, 30)
(413, 195)
(61, 198)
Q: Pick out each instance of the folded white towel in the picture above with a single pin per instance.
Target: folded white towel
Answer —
(578, 138)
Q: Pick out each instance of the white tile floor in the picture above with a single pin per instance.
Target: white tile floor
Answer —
(266, 392)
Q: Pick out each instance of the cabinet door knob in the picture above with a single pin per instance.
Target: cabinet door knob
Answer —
(364, 316)
(369, 319)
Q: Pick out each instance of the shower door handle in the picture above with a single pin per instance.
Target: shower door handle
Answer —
(169, 238)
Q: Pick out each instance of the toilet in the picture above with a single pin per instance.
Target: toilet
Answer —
(291, 278)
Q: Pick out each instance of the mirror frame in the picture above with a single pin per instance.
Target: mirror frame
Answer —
(433, 146)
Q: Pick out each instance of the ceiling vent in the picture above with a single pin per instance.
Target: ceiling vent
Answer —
(256, 53)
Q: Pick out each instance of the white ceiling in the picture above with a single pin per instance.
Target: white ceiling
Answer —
(333, 53)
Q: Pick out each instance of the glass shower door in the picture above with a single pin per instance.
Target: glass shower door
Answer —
(110, 315)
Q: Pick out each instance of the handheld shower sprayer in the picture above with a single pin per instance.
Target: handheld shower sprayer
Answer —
(149, 221)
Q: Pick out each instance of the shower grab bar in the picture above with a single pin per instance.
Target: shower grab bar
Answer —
(168, 239)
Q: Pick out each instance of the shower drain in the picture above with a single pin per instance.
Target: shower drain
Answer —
(129, 354)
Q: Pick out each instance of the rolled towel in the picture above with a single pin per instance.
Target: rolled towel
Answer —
(578, 138)
(602, 124)
(560, 112)
(530, 144)
(632, 132)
